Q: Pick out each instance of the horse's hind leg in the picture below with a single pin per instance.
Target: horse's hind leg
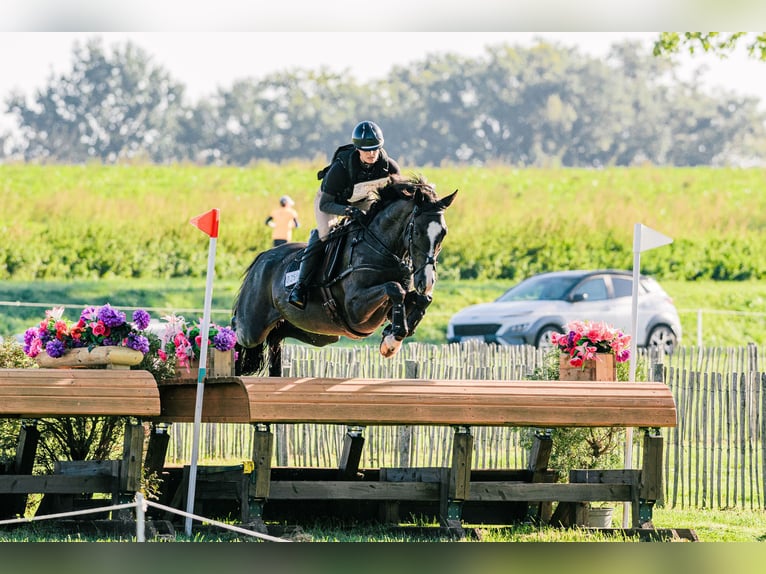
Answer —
(274, 342)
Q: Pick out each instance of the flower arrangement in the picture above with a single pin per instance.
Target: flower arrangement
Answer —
(97, 327)
(182, 340)
(584, 339)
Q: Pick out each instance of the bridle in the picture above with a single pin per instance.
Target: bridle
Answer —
(405, 262)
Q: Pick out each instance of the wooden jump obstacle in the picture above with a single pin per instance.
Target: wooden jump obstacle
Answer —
(31, 394)
(455, 491)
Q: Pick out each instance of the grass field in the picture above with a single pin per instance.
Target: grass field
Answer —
(709, 526)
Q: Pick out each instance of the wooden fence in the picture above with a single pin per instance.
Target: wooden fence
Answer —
(715, 457)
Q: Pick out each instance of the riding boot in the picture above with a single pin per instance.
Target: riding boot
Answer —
(309, 261)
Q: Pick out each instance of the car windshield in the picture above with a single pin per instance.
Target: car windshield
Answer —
(540, 288)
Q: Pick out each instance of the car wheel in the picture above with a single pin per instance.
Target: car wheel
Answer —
(543, 339)
(662, 338)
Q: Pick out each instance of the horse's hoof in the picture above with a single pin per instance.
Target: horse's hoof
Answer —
(389, 346)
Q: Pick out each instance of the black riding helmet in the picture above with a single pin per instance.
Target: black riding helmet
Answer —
(367, 136)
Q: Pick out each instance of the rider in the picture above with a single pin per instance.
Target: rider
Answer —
(345, 191)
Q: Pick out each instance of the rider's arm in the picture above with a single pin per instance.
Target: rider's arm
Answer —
(328, 204)
(334, 187)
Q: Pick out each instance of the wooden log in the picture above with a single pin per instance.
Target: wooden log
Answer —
(110, 357)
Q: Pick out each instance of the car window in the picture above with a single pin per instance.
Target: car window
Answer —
(595, 289)
(623, 287)
(539, 288)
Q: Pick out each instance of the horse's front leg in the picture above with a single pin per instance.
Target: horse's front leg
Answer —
(416, 305)
(396, 331)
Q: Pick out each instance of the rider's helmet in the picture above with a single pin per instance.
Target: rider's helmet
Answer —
(286, 200)
(367, 136)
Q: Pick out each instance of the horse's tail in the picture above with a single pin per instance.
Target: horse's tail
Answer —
(249, 360)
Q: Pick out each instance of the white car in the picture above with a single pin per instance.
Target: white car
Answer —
(528, 313)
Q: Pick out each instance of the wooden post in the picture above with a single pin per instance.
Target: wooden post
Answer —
(12, 505)
(459, 486)
(157, 449)
(132, 457)
(411, 371)
(353, 443)
(651, 486)
(539, 457)
(260, 477)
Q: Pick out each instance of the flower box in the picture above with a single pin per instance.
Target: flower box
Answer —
(219, 364)
(111, 357)
(602, 368)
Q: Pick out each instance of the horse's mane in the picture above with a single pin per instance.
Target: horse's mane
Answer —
(401, 187)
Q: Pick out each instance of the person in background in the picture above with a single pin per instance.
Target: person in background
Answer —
(283, 220)
(357, 170)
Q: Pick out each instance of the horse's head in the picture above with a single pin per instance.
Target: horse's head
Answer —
(427, 232)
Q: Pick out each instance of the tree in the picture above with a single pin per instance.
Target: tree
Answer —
(721, 43)
(109, 107)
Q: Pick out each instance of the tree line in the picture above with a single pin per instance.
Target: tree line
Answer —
(545, 105)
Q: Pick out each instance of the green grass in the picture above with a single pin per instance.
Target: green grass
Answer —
(79, 222)
(709, 525)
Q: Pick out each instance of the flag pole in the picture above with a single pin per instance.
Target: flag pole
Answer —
(644, 238)
(208, 223)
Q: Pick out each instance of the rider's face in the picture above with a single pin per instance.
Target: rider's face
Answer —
(369, 156)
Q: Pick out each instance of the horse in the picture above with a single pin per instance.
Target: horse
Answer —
(386, 269)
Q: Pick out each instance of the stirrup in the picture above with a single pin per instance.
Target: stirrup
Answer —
(297, 297)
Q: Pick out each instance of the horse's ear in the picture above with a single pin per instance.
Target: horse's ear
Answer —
(445, 202)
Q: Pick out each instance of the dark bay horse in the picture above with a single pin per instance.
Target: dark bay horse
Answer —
(386, 269)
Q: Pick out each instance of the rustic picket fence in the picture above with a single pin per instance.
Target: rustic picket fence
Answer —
(714, 458)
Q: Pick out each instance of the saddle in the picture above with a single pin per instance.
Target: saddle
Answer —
(328, 271)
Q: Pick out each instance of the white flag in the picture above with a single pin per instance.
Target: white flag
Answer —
(646, 238)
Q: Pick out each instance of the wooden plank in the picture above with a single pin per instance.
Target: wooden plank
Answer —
(451, 414)
(352, 490)
(55, 484)
(562, 492)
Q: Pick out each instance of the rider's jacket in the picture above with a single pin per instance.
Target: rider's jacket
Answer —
(346, 171)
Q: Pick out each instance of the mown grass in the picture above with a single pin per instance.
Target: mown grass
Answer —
(709, 526)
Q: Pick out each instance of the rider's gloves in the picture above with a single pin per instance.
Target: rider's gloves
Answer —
(354, 213)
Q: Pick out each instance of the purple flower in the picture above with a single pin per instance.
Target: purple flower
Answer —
(29, 335)
(110, 316)
(138, 342)
(141, 318)
(107, 342)
(55, 348)
(225, 339)
(89, 314)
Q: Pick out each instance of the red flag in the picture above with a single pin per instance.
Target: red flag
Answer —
(207, 222)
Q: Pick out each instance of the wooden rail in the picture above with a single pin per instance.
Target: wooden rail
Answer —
(423, 402)
(37, 393)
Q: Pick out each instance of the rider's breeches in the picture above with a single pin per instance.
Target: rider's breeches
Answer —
(325, 221)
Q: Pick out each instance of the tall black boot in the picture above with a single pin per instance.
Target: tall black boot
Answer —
(309, 261)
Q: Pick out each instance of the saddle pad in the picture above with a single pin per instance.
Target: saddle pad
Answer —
(291, 273)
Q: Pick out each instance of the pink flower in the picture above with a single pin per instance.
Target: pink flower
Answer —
(98, 328)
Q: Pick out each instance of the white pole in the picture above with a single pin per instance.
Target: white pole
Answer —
(204, 332)
(140, 517)
(626, 511)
